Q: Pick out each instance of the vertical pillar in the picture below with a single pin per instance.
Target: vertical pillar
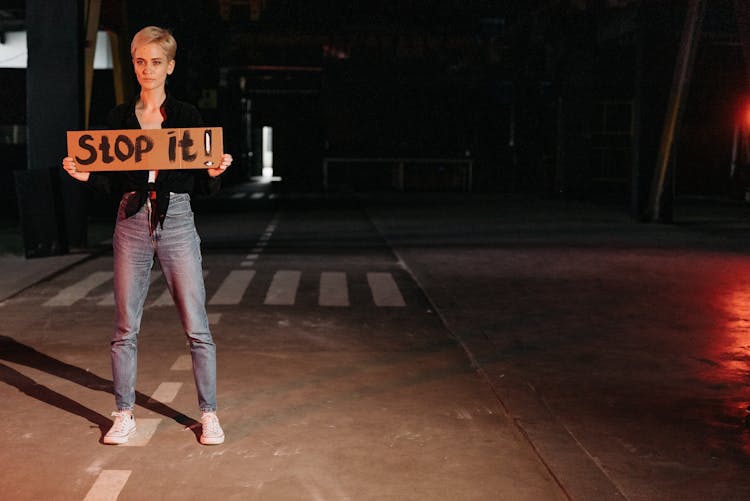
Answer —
(91, 11)
(51, 206)
(682, 72)
(660, 25)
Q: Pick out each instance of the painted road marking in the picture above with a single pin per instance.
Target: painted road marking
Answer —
(233, 287)
(80, 289)
(164, 299)
(250, 259)
(384, 290)
(144, 430)
(165, 392)
(108, 485)
(333, 289)
(283, 289)
(183, 363)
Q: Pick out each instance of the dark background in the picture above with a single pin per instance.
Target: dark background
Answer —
(559, 99)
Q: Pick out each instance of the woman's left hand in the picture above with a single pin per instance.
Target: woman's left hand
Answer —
(226, 161)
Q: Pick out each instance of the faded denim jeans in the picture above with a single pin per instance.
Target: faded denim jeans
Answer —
(177, 247)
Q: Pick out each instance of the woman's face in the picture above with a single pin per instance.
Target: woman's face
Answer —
(152, 66)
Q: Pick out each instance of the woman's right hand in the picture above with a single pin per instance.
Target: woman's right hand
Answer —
(70, 167)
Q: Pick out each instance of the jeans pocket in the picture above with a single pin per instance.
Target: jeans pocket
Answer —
(179, 205)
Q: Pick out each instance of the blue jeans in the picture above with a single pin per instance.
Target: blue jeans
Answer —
(177, 247)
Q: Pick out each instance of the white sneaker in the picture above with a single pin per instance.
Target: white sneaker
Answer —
(123, 428)
(212, 433)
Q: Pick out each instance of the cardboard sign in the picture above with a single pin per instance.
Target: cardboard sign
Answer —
(146, 149)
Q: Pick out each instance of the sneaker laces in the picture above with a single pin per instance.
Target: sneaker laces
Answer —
(210, 424)
(120, 419)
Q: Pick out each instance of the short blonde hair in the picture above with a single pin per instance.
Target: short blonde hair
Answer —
(153, 34)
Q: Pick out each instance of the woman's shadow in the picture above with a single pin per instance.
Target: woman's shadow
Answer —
(18, 353)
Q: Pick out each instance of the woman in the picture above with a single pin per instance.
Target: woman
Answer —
(154, 219)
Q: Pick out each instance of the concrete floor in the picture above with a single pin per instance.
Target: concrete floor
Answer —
(620, 349)
(541, 351)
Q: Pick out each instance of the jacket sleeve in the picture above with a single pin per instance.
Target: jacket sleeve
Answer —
(100, 182)
(206, 185)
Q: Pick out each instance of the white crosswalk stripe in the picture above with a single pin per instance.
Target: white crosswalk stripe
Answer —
(165, 392)
(385, 292)
(232, 288)
(164, 299)
(333, 290)
(283, 289)
(79, 290)
(183, 363)
(108, 485)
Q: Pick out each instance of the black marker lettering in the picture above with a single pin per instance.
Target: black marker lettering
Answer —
(104, 148)
(122, 156)
(82, 142)
(143, 144)
(185, 143)
(172, 149)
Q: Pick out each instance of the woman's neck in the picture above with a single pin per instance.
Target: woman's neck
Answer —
(152, 99)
